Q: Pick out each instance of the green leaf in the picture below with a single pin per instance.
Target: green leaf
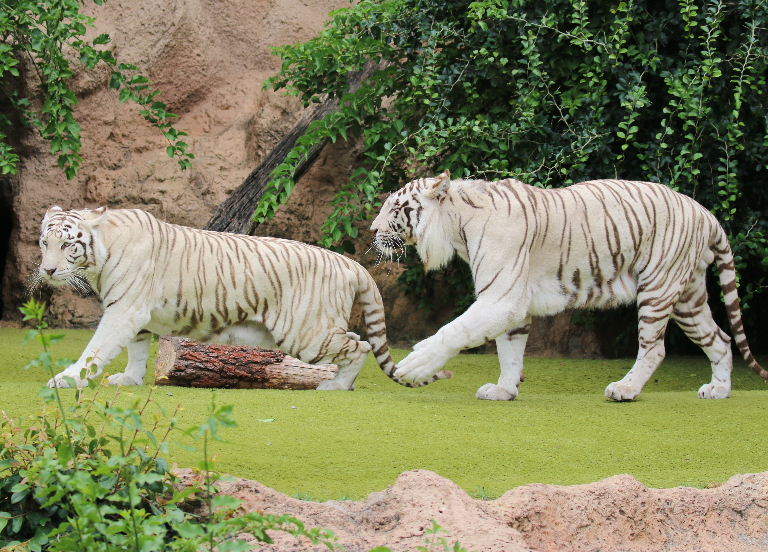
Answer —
(236, 545)
(189, 530)
(64, 452)
(225, 502)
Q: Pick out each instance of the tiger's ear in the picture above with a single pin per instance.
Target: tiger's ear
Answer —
(437, 186)
(51, 211)
(94, 217)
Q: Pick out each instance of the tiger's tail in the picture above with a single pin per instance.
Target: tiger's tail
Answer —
(369, 297)
(725, 266)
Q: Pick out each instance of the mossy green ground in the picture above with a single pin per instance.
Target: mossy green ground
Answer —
(560, 430)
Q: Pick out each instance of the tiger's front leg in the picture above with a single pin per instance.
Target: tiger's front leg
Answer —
(482, 321)
(114, 332)
(511, 349)
(138, 356)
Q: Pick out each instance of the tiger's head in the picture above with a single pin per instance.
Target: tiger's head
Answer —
(67, 247)
(411, 216)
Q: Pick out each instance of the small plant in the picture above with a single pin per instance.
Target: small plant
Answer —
(92, 476)
(481, 493)
(435, 543)
(432, 542)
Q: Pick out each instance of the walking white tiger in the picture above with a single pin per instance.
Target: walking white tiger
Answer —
(534, 252)
(155, 277)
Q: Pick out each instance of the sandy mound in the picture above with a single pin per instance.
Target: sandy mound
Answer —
(618, 514)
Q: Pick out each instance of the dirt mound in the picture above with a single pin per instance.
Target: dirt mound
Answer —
(618, 514)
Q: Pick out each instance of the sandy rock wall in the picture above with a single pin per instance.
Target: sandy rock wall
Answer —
(210, 58)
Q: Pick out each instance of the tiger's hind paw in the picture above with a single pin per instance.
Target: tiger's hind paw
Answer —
(493, 392)
(621, 392)
(713, 391)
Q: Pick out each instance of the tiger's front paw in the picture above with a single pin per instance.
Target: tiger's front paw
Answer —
(493, 392)
(64, 380)
(713, 391)
(425, 343)
(421, 365)
(621, 392)
(124, 379)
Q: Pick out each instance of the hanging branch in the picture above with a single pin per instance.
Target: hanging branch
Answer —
(236, 213)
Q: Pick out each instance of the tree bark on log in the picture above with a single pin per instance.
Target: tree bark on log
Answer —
(187, 363)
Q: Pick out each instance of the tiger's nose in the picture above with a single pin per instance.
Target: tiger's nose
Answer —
(376, 224)
(49, 271)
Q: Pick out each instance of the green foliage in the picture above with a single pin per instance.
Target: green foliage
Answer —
(551, 92)
(92, 476)
(45, 34)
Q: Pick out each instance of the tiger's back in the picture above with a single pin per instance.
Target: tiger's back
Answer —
(597, 241)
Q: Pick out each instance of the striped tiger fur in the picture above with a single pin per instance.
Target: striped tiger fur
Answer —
(158, 278)
(539, 251)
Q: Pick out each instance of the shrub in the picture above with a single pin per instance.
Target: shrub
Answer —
(41, 36)
(92, 476)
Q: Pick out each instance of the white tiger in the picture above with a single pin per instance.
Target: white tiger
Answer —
(537, 252)
(158, 278)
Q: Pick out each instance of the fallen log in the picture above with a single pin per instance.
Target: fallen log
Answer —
(187, 363)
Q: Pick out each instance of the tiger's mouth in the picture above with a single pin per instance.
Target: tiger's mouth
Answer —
(75, 278)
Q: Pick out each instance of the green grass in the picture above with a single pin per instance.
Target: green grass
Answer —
(560, 430)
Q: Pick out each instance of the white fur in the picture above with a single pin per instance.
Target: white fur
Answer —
(434, 249)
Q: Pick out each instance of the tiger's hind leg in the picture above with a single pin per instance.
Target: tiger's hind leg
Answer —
(511, 348)
(693, 316)
(654, 310)
(348, 352)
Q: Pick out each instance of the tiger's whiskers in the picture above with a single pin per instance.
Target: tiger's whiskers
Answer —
(390, 248)
(34, 283)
